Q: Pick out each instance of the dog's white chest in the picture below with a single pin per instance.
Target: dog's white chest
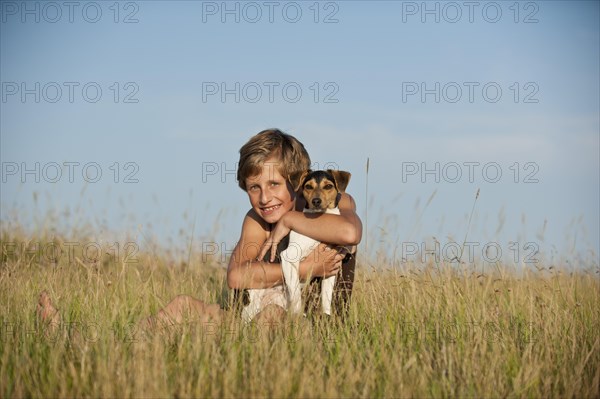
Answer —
(299, 247)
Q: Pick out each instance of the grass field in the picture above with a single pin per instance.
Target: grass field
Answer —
(416, 330)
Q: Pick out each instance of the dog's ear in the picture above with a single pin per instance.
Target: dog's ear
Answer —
(297, 178)
(341, 178)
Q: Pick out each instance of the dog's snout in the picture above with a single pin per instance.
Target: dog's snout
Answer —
(316, 202)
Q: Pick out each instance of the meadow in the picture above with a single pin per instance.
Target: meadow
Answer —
(414, 330)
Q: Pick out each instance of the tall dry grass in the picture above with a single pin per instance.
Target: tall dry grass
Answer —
(414, 330)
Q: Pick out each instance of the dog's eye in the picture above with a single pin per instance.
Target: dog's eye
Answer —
(308, 187)
(328, 186)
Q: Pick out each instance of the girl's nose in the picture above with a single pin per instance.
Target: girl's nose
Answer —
(265, 197)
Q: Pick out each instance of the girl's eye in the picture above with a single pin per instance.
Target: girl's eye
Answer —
(253, 188)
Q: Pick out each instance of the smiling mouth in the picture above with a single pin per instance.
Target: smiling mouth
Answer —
(270, 208)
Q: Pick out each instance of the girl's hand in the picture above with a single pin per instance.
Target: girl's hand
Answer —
(323, 261)
(279, 232)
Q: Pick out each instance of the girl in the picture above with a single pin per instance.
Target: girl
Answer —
(266, 162)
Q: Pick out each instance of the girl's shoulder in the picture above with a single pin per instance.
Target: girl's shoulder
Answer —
(256, 224)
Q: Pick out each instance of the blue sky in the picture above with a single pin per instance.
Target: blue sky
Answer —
(528, 75)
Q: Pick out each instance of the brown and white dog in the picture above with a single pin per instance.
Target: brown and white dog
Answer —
(321, 191)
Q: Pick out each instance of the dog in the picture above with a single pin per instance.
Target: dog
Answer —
(322, 191)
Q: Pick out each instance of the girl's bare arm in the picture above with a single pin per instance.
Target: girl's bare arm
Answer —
(344, 229)
(246, 272)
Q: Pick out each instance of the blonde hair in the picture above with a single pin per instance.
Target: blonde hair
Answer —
(267, 144)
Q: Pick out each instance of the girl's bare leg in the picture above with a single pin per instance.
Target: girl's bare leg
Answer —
(183, 308)
(272, 318)
(47, 314)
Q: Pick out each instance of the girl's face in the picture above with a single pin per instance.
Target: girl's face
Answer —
(271, 196)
